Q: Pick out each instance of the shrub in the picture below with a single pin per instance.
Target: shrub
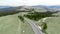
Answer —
(21, 18)
(44, 27)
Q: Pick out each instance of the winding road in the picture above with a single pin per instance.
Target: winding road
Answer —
(35, 28)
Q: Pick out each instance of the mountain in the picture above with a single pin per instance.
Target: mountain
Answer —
(43, 6)
(1, 7)
(10, 9)
(56, 6)
(49, 8)
(38, 8)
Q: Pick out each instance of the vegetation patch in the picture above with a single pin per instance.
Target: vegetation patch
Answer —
(53, 25)
(9, 24)
(38, 15)
(44, 27)
(21, 18)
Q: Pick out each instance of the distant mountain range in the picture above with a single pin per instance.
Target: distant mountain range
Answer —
(1, 7)
(42, 6)
(39, 6)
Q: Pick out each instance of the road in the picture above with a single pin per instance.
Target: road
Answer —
(34, 26)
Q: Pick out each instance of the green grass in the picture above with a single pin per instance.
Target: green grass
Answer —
(53, 25)
(9, 24)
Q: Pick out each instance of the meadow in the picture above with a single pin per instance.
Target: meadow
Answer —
(53, 25)
(11, 24)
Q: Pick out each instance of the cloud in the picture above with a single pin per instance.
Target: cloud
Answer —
(29, 2)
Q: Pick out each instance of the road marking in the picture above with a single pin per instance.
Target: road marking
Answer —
(44, 19)
(40, 28)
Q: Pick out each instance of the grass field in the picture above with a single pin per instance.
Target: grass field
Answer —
(53, 25)
(11, 24)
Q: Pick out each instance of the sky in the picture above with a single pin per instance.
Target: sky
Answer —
(28, 2)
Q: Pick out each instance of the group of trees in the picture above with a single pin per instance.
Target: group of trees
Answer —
(38, 15)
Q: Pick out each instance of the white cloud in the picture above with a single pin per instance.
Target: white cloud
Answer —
(29, 2)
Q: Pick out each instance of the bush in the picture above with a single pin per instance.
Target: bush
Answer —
(44, 28)
(21, 18)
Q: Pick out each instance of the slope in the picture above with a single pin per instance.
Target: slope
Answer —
(53, 25)
(10, 25)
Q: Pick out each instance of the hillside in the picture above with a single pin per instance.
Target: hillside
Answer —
(53, 24)
(10, 24)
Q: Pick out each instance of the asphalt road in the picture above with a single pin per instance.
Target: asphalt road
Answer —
(34, 26)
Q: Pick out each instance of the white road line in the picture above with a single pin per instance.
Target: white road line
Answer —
(40, 28)
(44, 19)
